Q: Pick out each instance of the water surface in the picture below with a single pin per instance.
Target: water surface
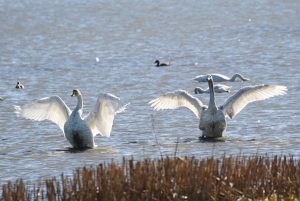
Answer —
(51, 47)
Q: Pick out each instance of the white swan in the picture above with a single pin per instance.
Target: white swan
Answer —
(220, 78)
(79, 131)
(212, 119)
(218, 88)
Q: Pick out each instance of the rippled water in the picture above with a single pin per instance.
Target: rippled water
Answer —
(51, 47)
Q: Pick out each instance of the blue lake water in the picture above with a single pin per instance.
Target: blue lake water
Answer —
(52, 46)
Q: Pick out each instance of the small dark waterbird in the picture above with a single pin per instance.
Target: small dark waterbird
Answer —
(19, 86)
(158, 64)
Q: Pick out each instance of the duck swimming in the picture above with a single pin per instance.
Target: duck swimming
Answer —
(212, 118)
(80, 132)
(19, 86)
(218, 88)
(158, 64)
(220, 78)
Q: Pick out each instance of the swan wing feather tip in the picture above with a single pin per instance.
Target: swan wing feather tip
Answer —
(100, 119)
(246, 95)
(177, 99)
(123, 108)
(49, 108)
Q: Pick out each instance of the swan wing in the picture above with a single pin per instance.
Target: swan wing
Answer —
(200, 78)
(100, 120)
(239, 100)
(219, 88)
(179, 98)
(49, 108)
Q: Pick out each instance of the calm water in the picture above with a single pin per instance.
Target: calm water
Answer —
(51, 47)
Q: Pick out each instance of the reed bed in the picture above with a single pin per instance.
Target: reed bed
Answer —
(227, 178)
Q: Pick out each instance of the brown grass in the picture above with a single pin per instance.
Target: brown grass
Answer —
(228, 178)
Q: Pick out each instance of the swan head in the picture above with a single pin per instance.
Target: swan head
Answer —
(76, 93)
(156, 61)
(209, 78)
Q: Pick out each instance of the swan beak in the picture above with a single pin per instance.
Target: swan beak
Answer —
(209, 78)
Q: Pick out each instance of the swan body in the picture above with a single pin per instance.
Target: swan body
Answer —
(212, 118)
(218, 88)
(79, 131)
(19, 86)
(158, 64)
(220, 78)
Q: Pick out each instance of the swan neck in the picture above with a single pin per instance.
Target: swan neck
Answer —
(79, 105)
(199, 90)
(237, 75)
(212, 103)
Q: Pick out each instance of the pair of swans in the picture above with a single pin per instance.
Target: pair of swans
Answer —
(80, 132)
(212, 118)
(218, 88)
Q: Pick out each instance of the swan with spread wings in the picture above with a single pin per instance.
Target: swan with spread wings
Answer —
(80, 132)
(212, 118)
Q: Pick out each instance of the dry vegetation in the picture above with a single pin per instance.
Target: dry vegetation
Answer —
(229, 178)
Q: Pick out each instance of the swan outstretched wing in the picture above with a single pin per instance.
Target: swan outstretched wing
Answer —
(49, 108)
(100, 120)
(178, 99)
(239, 100)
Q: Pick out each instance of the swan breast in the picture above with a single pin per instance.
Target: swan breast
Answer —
(78, 132)
(212, 124)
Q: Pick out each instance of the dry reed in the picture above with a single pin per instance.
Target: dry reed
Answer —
(228, 178)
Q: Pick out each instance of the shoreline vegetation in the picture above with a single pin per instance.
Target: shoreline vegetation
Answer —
(170, 178)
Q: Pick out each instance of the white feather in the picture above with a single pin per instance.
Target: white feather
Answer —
(178, 99)
(49, 108)
(218, 88)
(234, 104)
(100, 120)
(220, 78)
